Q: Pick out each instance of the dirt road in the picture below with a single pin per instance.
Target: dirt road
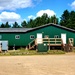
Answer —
(38, 65)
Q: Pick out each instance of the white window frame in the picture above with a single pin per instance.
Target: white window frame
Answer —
(0, 36)
(32, 36)
(46, 36)
(16, 36)
(72, 40)
(56, 36)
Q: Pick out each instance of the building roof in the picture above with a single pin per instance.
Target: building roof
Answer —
(55, 25)
(32, 29)
(14, 29)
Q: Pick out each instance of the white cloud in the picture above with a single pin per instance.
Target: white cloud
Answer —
(31, 17)
(48, 11)
(73, 5)
(41, 12)
(15, 4)
(10, 17)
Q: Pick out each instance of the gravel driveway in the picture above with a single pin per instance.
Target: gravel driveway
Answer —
(38, 65)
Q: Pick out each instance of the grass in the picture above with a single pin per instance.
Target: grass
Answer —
(23, 52)
(56, 52)
(74, 50)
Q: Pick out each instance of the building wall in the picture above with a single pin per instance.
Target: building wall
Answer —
(51, 31)
(24, 40)
(10, 37)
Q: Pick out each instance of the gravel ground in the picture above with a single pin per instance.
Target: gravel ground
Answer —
(38, 65)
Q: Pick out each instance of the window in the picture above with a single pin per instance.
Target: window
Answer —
(17, 37)
(0, 37)
(46, 36)
(71, 40)
(56, 36)
(32, 36)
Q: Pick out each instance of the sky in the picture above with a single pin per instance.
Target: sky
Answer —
(20, 10)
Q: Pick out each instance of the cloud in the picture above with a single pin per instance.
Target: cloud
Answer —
(73, 5)
(10, 17)
(15, 4)
(41, 12)
(31, 17)
(48, 11)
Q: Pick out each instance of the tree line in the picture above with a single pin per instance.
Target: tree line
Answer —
(44, 19)
(67, 19)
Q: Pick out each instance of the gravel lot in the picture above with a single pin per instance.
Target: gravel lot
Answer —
(38, 65)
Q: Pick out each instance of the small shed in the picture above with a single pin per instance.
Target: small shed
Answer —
(3, 45)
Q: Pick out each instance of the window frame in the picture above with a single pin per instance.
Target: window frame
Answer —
(32, 37)
(17, 36)
(56, 36)
(46, 36)
(0, 36)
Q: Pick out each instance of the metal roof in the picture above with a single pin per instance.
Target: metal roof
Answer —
(14, 29)
(32, 29)
(55, 25)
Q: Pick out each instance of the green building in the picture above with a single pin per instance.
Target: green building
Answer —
(22, 37)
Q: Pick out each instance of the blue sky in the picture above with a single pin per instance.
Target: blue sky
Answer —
(19, 10)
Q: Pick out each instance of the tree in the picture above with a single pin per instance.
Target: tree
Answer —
(72, 20)
(7, 25)
(68, 19)
(24, 24)
(54, 19)
(30, 23)
(15, 25)
(2, 25)
(65, 18)
(44, 19)
(37, 21)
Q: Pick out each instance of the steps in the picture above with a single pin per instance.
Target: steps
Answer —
(69, 47)
(32, 47)
(32, 44)
(48, 41)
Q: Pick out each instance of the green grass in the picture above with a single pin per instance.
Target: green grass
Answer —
(23, 52)
(74, 50)
(56, 52)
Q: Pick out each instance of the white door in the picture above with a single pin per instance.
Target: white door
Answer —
(5, 45)
(63, 37)
(0, 45)
(39, 38)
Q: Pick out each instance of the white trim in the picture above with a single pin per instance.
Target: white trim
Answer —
(46, 36)
(0, 36)
(32, 36)
(63, 37)
(39, 38)
(17, 36)
(56, 36)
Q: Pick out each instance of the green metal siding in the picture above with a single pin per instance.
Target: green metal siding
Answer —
(10, 37)
(24, 40)
(52, 31)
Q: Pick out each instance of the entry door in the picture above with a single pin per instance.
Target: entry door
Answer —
(63, 37)
(39, 38)
(5, 45)
(0, 45)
